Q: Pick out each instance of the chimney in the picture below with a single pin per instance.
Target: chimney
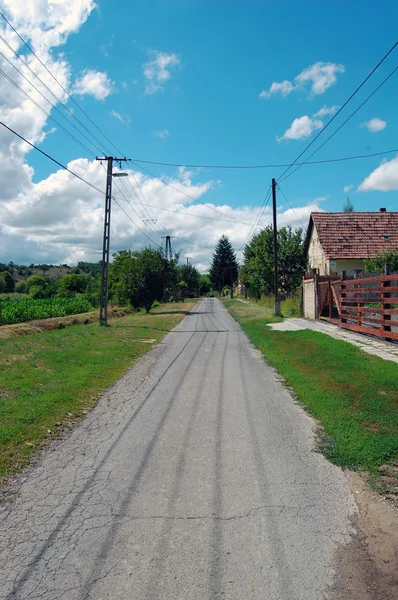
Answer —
(383, 210)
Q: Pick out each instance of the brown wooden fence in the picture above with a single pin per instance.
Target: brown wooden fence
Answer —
(369, 305)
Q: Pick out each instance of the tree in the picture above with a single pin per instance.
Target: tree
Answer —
(190, 275)
(348, 206)
(69, 285)
(258, 268)
(204, 285)
(37, 286)
(9, 283)
(224, 266)
(140, 277)
(43, 268)
(378, 262)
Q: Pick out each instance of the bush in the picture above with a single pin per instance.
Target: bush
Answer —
(292, 307)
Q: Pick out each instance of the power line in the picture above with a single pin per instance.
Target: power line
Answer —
(56, 80)
(269, 166)
(47, 113)
(185, 194)
(71, 113)
(260, 215)
(344, 122)
(340, 109)
(51, 158)
(54, 160)
(297, 217)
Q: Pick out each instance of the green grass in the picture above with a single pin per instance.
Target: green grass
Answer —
(49, 380)
(354, 395)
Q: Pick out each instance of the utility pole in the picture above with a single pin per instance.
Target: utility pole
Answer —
(277, 302)
(103, 320)
(168, 251)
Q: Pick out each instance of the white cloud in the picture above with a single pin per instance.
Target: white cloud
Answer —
(320, 76)
(301, 128)
(118, 116)
(383, 179)
(375, 125)
(326, 110)
(283, 88)
(348, 188)
(93, 83)
(164, 133)
(125, 85)
(60, 219)
(47, 24)
(158, 71)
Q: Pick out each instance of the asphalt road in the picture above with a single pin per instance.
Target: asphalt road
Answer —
(195, 478)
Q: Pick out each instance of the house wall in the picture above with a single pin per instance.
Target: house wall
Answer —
(349, 265)
(309, 298)
(316, 256)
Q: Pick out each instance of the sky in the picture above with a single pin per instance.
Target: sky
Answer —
(189, 82)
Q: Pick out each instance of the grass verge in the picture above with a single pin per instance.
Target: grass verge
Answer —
(354, 395)
(49, 381)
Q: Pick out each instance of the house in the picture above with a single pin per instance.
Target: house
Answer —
(337, 242)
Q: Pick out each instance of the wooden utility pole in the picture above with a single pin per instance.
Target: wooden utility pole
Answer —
(277, 302)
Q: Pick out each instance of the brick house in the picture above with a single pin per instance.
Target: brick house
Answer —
(337, 242)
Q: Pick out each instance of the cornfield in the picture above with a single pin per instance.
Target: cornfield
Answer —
(21, 308)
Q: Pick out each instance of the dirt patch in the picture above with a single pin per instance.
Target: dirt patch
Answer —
(38, 326)
(367, 569)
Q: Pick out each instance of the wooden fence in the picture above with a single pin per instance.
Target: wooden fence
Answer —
(369, 305)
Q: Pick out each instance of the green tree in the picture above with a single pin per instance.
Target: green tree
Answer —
(258, 268)
(190, 275)
(378, 262)
(224, 266)
(43, 268)
(69, 285)
(140, 277)
(37, 286)
(204, 285)
(348, 206)
(9, 282)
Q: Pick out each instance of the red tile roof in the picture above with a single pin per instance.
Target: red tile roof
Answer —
(356, 234)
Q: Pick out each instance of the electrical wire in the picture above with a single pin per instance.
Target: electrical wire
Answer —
(187, 195)
(344, 122)
(257, 222)
(47, 113)
(100, 148)
(339, 111)
(269, 166)
(297, 217)
(60, 84)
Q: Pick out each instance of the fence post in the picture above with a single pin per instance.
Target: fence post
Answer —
(385, 307)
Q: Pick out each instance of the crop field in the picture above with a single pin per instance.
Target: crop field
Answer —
(18, 308)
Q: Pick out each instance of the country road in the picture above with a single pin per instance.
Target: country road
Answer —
(195, 478)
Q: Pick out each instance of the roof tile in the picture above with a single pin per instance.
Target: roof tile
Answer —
(356, 234)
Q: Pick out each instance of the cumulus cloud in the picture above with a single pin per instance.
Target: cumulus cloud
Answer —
(93, 83)
(383, 179)
(158, 71)
(301, 128)
(60, 219)
(316, 79)
(375, 125)
(347, 188)
(164, 133)
(118, 116)
(284, 88)
(326, 110)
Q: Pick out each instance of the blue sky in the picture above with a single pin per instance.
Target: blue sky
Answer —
(183, 82)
